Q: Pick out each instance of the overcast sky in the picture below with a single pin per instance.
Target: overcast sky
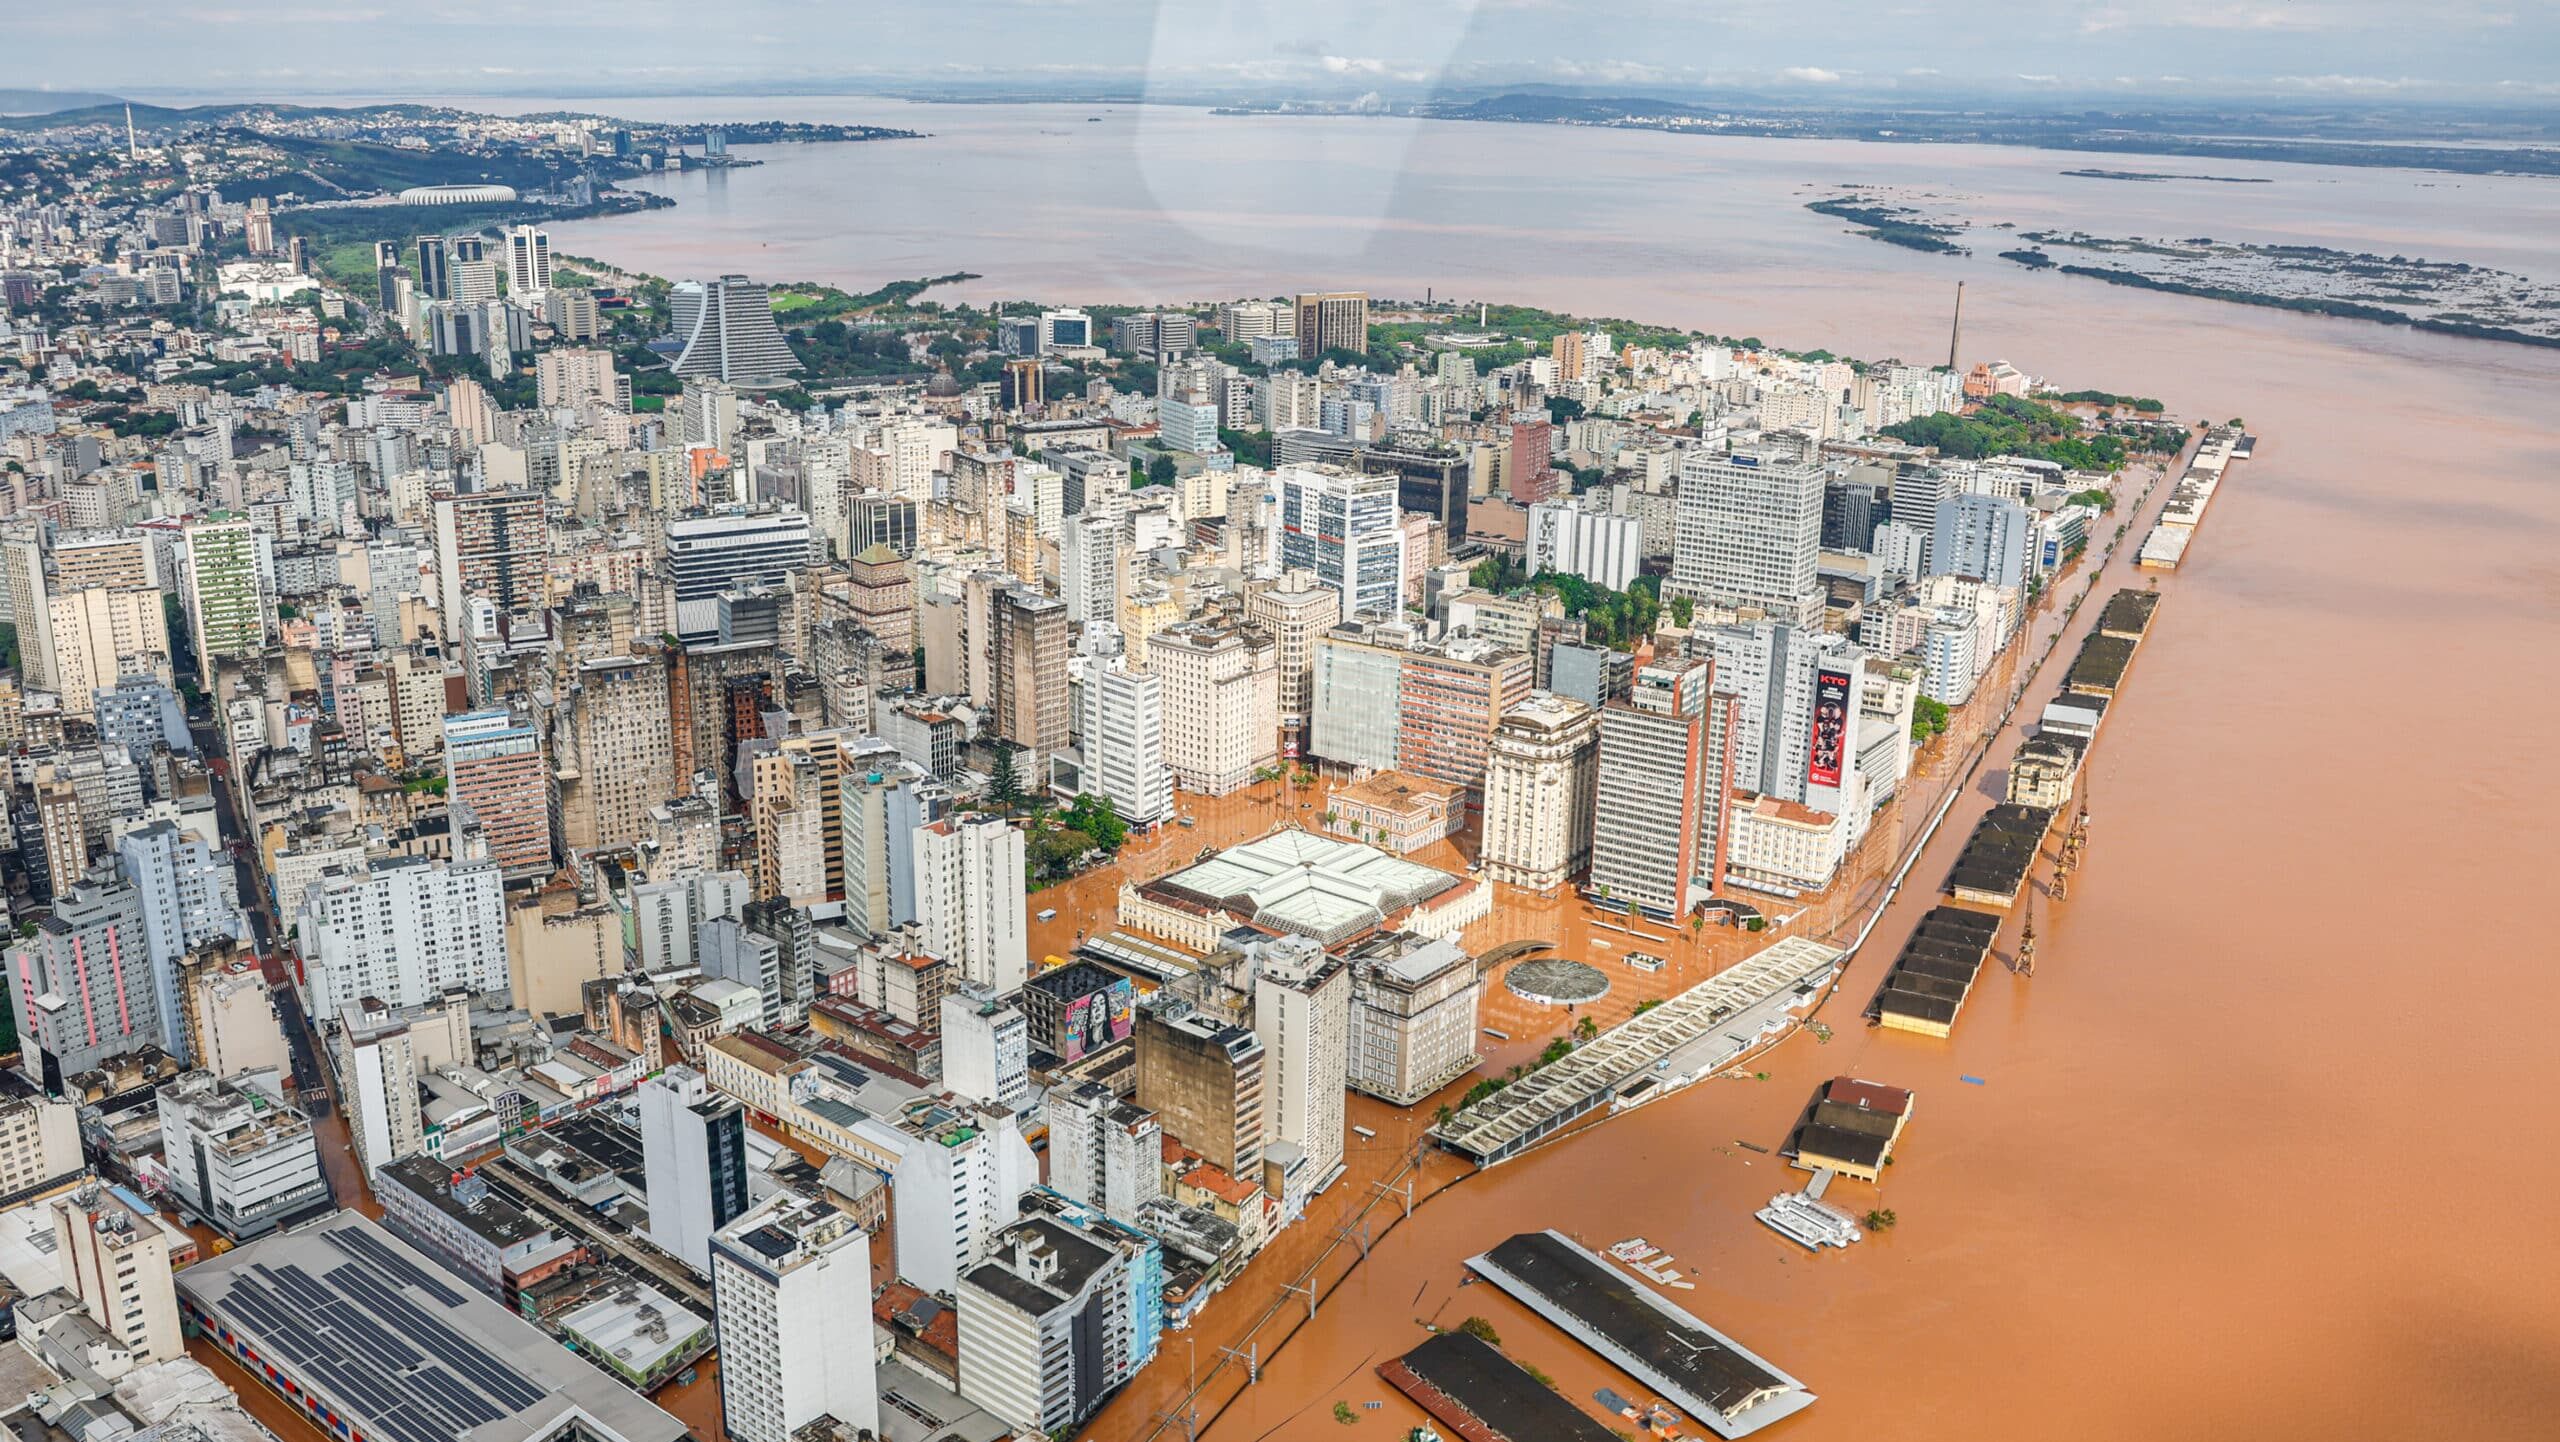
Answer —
(2468, 50)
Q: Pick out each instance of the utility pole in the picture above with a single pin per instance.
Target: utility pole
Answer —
(1252, 1355)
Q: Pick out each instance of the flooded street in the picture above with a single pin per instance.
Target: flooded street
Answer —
(2208, 1185)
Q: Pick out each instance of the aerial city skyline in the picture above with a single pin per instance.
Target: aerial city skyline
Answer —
(1340, 723)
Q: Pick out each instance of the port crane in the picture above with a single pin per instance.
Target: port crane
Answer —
(2026, 963)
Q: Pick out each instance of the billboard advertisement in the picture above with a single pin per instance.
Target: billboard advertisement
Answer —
(1830, 728)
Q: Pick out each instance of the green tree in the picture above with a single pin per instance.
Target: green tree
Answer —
(1881, 1220)
(1343, 1414)
(1004, 786)
(1160, 470)
(1481, 1330)
(1096, 817)
(1586, 1027)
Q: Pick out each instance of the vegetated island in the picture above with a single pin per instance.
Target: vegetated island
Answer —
(2156, 175)
(2448, 297)
(1893, 224)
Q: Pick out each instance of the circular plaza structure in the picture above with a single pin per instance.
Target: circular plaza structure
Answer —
(1553, 981)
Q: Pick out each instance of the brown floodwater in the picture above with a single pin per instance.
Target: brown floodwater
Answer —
(2229, 1173)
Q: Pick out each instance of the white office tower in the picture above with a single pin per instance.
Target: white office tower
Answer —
(958, 1183)
(1122, 737)
(726, 328)
(1749, 531)
(1793, 735)
(1987, 538)
(1346, 531)
(402, 931)
(528, 261)
(693, 1145)
(791, 1296)
(1047, 1327)
(1089, 567)
(986, 1049)
(1580, 536)
(729, 550)
(1302, 1015)
(1104, 1153)
(969, 882)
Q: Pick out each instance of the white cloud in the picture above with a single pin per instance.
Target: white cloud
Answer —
(1809, 75)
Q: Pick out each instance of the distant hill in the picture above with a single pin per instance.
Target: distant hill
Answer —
(46, 102)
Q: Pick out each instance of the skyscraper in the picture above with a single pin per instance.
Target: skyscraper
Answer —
(1333, 320)
(1983, 537)
(1345, 530)
(729, 550)
(1657, 786)
(1749, 532)
(433, 284)
(1122, 737)
(492, 544)
(727, 330)
(969, 880)
(528, 260)
(224, 598)
(493, 764)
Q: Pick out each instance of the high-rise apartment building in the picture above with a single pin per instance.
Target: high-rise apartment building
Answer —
(986, 1049)
(1203, 1078)
(726, 328)
(969, 884)
(694, 1147)
(82, 984)
(1749, 532)
(1450, 695)
(1104, 1153)
(402, 930)
(189, 895)
(1302, 1017)
(1221, 704)
(1029, 670)
(1541, 770)
(1294, 612)
(956, 1185)
(1333, 320)
(381, 1054)
(1047, 1326)
(614, 754)
(791, 1293)
(1986, 538)
(489, 544)
(528, 261)
(1662, 790)
(493, 764)
(114, 1257)
(239, 1155)
(1795, 715)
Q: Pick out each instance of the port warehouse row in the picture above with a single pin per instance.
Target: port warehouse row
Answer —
(1688, 1363)
(2166, 545)
(1935, 971)
(1482, 1396)
(1934, 974)
(1631, 1056)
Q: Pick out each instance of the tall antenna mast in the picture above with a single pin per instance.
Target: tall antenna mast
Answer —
(1955, 331)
